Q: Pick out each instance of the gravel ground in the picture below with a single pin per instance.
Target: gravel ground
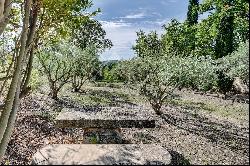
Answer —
(197, 138)
(192, 137)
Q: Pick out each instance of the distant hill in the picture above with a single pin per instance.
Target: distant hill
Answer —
(110, 62)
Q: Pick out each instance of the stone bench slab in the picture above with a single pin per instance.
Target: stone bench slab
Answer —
(112, 117)
(102, 154)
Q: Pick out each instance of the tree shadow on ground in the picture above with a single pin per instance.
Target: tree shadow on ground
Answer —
(221, 133)
(191, 105)
(68, 103)
(240, 98)
(234, 97)
(178, 159)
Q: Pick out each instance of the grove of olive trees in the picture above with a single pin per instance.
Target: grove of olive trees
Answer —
(185, 55)
(63, 42)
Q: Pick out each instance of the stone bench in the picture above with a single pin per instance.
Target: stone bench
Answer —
(110, 118)
(104, 125)
(102, 154)
(105, 121)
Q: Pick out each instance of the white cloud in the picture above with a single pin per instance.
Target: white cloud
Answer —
(134, 16)
(117, 54)
(116, 24)
(123, 36)
(162, 22)
(172, 1)
(166, 2)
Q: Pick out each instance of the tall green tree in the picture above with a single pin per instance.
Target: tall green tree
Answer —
(193, 14)
(224, 39)
(179, 38)
(90, 34)
(148, 44)
(192, 20)
(228, 22)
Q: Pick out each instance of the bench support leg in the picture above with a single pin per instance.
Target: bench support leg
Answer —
(100, 135)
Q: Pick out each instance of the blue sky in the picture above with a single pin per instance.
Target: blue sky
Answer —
(122, 18)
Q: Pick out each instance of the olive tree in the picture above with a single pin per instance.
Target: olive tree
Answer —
(157, 74)
(158, 77)
(86, 63)
(55, 22)
(90, 37)
(149, 76)
(55, 61)
(237, 63)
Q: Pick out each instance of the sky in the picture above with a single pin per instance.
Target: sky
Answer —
(121, 19)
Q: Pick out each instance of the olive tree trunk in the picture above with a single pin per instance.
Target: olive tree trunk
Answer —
(77, 83)
(54, 92)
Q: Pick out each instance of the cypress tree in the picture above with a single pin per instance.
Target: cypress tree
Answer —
(224, 41)
(192, 19)
(192, 14)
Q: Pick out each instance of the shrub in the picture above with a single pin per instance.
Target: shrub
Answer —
(86, 64)
(237, 63)
(157, 72)
(55, 61)
(35, 81)
(157, 77)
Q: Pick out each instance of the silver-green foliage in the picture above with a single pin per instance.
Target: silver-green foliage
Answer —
(157, 72)
(197, 72)
(56, 62)
(237, 63)
(35, 80)
(153, 79)
(85, 64)
(157, 76)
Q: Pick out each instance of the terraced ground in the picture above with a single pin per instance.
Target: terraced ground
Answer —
(196, 128)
